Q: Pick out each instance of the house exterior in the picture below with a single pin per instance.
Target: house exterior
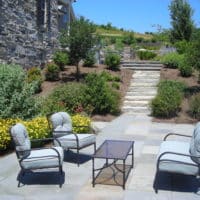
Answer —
(29, 30)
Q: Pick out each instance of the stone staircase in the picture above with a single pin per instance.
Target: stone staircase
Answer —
(143, 86)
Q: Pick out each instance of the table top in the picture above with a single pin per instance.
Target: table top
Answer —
(114, 149)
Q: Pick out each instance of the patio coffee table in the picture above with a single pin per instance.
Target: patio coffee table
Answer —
(116, 172)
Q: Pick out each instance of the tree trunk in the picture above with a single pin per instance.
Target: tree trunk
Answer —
(77, 72)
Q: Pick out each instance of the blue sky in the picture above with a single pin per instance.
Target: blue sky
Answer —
(136, 15)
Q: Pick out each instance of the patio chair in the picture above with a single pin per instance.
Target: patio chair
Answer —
(37, 158)
(61, 125)
(180, 157)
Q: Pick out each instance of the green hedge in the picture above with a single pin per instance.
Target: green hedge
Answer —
(168, 100)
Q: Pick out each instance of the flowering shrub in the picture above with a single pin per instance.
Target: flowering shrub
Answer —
(37, 128)
(80, 120)
(5, 138)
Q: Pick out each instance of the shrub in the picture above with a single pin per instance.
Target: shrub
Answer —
(128, 38)
(168, 100)
(99, 95)
(146, 55)
(52, 72)
(172, 60)
(34, 75)
(37, 129)
(5, 138)
(16, 95)
(185, 70)
(83, 122)
(182, 46)
(61, 58)
(66, 97)
(89, 61)
(115, 85)
(112, 60)
(194, 106)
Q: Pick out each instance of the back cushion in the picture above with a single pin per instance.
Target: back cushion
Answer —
(195, 144)
(62, 124)
(21, 139)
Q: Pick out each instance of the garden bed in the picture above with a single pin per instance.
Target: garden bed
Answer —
(68, 75)
(192, 82)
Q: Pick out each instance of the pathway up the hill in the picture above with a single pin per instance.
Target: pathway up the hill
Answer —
(143, 86)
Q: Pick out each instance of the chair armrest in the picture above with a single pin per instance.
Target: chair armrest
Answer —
(170, 134)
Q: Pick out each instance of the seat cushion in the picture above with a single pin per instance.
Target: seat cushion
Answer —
(43, 158)
(177, 163)
(69, 141)
(195, 144)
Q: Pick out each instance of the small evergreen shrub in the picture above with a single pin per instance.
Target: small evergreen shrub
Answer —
(146, 55)
(112, 60)
(89, 61)
(100, 95)
(34, 76)
(172, 60)
(61, 58)
(81, 123)
(16, 95)
(52, 72)
(194, 106)
(185, 70)
(168, 100)
(115, 85)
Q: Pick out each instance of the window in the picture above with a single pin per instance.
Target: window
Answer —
(44, 15)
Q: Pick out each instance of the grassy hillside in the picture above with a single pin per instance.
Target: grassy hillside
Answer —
(120, 33)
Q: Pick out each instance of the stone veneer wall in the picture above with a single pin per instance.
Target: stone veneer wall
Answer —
(20, 40)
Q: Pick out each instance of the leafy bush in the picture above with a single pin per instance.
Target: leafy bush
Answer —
(52, 72)
(16, 95)
(128, 38)
(5, 138)
(194, 106)
(34, 75)
(66, 97)
(185, 69)
(61, 58)
(99, 95)
(115, 85)
(146, 55)
(83, 122)
(112, 60)
(182, 46)
(37, 129)
(172, 60)
(89, 61)
(168, 100)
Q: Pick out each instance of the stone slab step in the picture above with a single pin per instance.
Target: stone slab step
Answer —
(136, 109)
(142, 89)
(141, 93)
(138, 84)
(136, 103)
(141, 68)
(138, 98)
(148, 80)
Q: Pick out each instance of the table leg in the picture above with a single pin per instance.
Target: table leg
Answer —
(124, 173)
(132, 156)
(93, 175)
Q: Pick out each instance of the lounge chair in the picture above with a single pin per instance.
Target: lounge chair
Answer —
(38, 158)
(61, 125)
(180, 157)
